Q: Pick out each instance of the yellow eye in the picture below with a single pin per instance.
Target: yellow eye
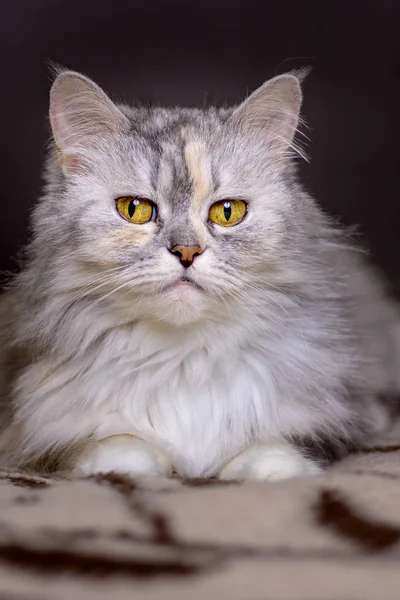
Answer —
(136, 210)
(228, 212)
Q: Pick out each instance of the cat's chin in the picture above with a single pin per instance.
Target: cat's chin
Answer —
(182, 303)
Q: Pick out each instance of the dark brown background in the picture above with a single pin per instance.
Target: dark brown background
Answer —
(179, 51)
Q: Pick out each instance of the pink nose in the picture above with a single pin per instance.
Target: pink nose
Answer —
(186, 254)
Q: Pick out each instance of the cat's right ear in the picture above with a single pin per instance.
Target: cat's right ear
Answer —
(81, 115)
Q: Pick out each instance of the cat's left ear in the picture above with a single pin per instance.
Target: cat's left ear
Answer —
(81, 117)
(273, 108)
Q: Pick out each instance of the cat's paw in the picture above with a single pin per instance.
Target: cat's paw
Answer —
(126, 455)
(270, 462)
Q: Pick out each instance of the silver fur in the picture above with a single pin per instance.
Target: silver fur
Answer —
(289, 335)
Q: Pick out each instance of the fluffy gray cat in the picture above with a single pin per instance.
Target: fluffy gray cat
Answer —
(185, 306)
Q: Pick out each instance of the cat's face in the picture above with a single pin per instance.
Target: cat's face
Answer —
(175, 214)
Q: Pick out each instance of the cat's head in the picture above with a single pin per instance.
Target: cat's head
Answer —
(172, 214)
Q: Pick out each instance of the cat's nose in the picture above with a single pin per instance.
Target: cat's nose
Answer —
(186, 254)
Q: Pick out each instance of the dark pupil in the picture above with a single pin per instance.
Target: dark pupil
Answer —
(131, 209)
(227, 211)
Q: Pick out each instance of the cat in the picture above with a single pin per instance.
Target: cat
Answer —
(185, 306)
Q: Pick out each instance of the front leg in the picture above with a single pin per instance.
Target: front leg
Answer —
(123, 454)
(272, 462)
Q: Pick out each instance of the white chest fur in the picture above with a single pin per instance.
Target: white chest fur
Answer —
(200, 397)
(200, 403)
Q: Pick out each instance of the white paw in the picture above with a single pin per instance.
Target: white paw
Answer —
(124, 454)
(270, 462)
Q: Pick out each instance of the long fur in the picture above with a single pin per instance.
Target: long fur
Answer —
(291, 335)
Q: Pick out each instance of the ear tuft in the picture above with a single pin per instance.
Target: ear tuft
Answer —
(80, 113)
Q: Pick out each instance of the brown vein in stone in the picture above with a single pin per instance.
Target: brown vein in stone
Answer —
(57, 561)
(335, 513)
(393, 448)
(26, 481)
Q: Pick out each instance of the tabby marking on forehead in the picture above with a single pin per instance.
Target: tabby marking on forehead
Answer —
(164, 176)
(199, 169)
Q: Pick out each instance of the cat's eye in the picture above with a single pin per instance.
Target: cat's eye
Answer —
(228, 212)
(136, 210)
